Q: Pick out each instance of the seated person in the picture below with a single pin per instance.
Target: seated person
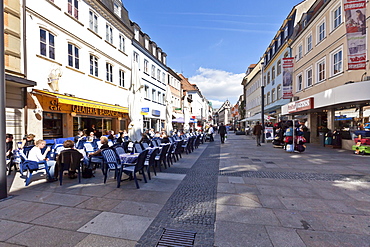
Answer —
(9, 145)
(91, 137)
(96, 157)
(28, 141)
(36, 155)
(144, 138)
(69, 156)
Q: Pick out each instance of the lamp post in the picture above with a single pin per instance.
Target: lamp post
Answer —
(263, 105)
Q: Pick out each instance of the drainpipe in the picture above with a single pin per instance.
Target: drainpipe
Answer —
(3, 185)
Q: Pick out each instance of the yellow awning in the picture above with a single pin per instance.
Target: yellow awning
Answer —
(64, 99)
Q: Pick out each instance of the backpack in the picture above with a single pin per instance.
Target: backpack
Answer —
(87, 172)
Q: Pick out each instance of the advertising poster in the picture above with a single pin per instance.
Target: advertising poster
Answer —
(355, 17)
(288, 77)
(269, 133)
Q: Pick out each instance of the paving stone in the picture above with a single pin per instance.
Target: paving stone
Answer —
(11, 228)
(329, 238)
(26, 211)
(66, 218)
(101, 204)
(93, 240)
(268, 201)
(123, 226)
(259, 216)
(236, 200)
(286, 237)
(145, 209)
(46, 236)
(233, 234)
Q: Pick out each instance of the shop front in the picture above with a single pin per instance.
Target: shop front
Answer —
(62, 115)
(344, 109)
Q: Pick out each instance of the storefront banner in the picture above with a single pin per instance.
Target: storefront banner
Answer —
(288, 77)
(355, 14)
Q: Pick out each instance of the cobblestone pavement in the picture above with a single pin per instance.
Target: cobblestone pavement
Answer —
(192, 206)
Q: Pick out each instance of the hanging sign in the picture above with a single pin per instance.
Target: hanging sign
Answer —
(355, 14)
(288, 77)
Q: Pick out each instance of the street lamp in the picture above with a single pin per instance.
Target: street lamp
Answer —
(263, 105)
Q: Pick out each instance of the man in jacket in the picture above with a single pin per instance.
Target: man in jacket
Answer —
(222, 131)
(257, 131)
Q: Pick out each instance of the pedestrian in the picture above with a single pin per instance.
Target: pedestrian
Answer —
(28, 141)
(257, 131)
(210, 133)
(222, 131)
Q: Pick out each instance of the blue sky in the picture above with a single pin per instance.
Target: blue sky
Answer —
(211, 42)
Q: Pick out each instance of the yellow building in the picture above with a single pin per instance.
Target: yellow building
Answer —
(327, 94)
(15, 68)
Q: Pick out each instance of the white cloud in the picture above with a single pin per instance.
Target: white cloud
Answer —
(218, 86)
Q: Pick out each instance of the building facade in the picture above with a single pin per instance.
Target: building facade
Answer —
(15, 69)
(333, 96)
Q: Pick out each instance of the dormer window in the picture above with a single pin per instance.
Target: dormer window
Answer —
(117, 8)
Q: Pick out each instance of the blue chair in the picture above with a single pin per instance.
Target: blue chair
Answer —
(150, 162)
(138, 167)
(111, 162)
(30, 167)
(138, 148)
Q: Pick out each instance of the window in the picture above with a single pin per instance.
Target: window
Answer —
(163, 77)
(109, 34)
(320, 70)
(309, 43)
(93, 21)
(309, 77)
(121, 43)
(158, 75)
(47, 44)
(273, 95)
(279, 41)
(285, 31)
(278, 68)
(321, 32)
(109, 72)
(121, 78)
(117, 9)
(153, 71)
(160, 97)
(299, 82)
(136, 57)
(300, 48)
(336, 58)
(73, 8)
(337, 17)
(154, 93)
(146, 69)
(279, 92)
(146, 89)
(273, 73)
(268, 77)
(73, 56)
(93, 65)
(268, 98)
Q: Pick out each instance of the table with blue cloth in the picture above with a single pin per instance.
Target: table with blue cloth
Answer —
(128, 159)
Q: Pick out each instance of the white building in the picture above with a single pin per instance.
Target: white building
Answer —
(153, 73)
(79, 53)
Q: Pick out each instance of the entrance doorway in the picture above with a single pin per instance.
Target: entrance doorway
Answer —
(100, 126)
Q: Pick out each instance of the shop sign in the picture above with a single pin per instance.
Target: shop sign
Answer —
(156, 113)
(177, 109)
(145, 109)
(300, 105)
(94, 111)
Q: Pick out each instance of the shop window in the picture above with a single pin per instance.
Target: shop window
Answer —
(52, 125)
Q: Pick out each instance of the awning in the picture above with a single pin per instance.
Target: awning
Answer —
(256, 117)
(64, 99)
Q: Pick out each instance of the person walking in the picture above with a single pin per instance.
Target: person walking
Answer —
(222, 131)
(210, 133)
(257, 131)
